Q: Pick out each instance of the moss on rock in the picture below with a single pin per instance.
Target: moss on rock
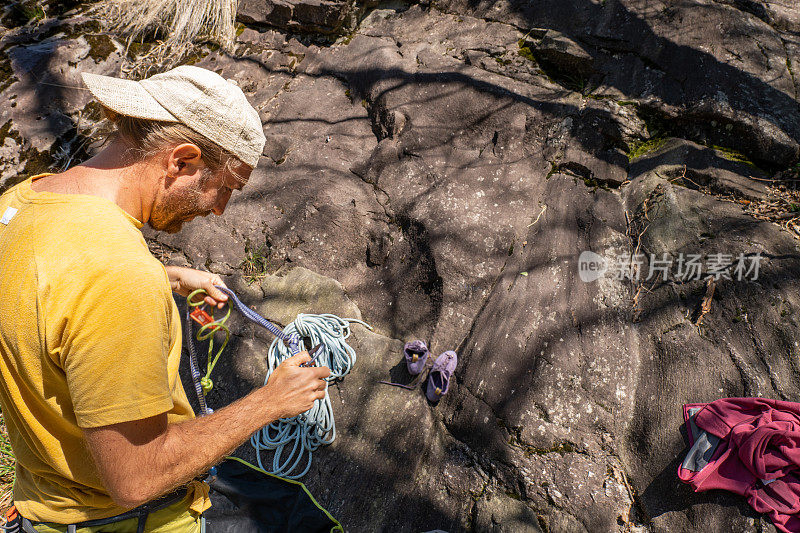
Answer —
(36, 161)
(638, 149)
(525, 50)
(733, 155)
(6, 72)
(100, 47)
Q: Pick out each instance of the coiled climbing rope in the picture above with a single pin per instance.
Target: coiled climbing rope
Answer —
(289, 438)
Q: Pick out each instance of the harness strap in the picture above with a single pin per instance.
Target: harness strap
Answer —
(140, 513)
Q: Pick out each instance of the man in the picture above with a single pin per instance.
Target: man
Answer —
(90, 336)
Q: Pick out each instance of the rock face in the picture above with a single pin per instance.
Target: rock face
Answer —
(308, 16)
(710, 71)
(47, 118)
(438, 173)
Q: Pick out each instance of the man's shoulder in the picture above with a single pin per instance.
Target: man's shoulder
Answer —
(89, 222)
(95, 238)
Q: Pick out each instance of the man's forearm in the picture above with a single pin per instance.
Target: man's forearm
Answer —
(142, 459)
(210, 438)
(185, 449)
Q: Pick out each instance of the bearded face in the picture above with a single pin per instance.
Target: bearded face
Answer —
(200, 195)
(183, 202)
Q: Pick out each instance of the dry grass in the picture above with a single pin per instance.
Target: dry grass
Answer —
(182, 21)
(781, 206)
(6, 468)
(160, 57)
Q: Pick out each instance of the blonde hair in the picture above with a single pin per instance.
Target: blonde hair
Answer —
(146, 138)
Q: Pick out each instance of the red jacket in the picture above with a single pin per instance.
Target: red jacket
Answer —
(757, 454)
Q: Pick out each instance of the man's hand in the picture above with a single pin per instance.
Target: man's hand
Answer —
(294, 387)
(143, 459)
(186, 280)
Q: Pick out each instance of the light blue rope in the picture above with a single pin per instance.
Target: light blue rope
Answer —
(307, 431)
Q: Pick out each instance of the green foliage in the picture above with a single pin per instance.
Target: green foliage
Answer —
(578, 84)
(594, 184)
(572, 81)
(554, 167)
(21, 13)
(255, 264)
(7, 461)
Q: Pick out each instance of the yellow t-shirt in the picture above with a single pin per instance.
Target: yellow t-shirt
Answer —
(89, 336)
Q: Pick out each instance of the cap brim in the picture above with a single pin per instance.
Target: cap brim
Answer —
(126, 97)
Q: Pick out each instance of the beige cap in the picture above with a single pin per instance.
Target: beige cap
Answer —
(196, 97)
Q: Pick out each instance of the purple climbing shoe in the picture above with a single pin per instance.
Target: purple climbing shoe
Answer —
(439, 377)
(416, 354)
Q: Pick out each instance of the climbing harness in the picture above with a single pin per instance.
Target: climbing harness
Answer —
(307, 431)
(15, 523)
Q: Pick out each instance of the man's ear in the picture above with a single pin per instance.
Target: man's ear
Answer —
(184, 160)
